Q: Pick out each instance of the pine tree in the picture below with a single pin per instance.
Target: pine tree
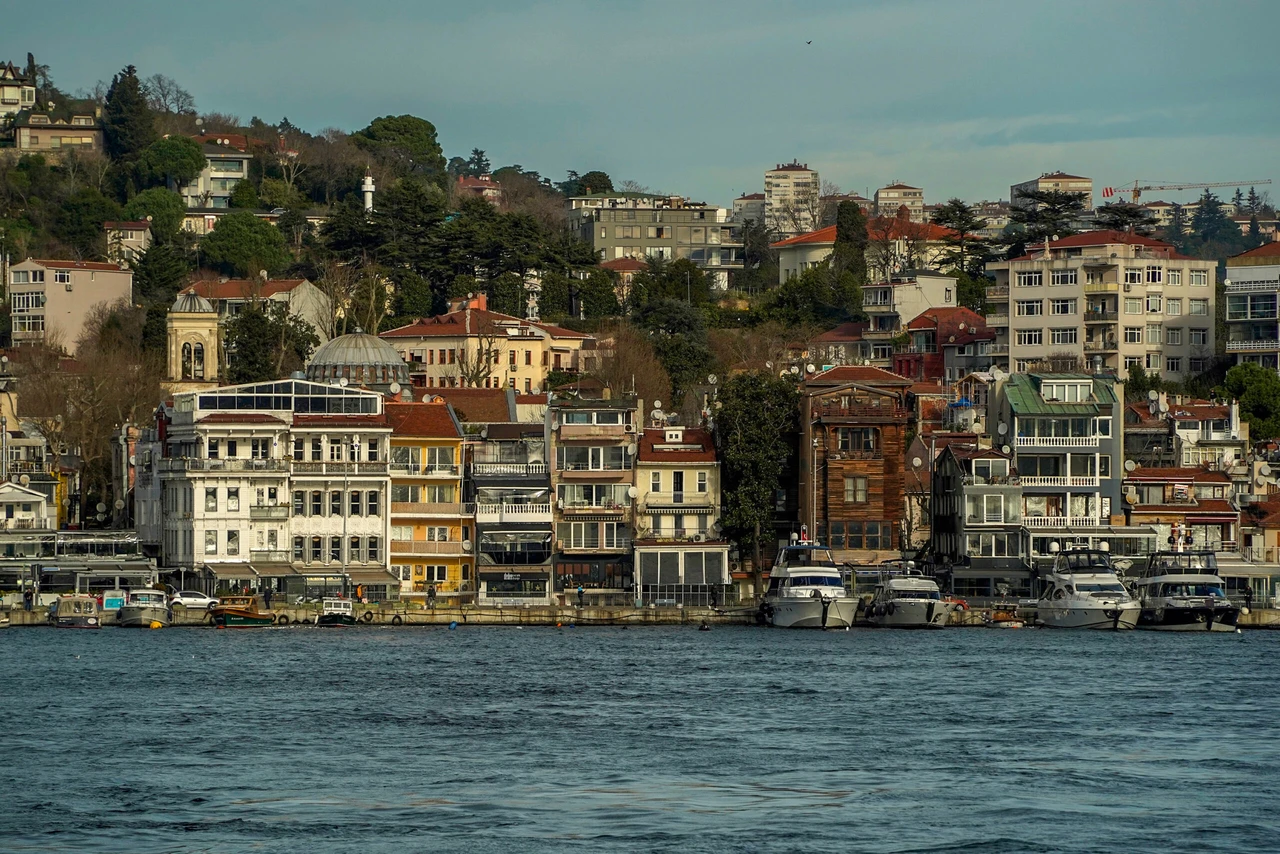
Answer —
(1253, 200)
(128, 126)
(1238, 200)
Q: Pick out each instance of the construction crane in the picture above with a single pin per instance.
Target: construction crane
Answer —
(1139, 187)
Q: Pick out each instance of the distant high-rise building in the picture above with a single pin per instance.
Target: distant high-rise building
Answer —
(898, 195)
(791, 198)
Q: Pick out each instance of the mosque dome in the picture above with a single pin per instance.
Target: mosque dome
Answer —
(191, 302)
(361, 359)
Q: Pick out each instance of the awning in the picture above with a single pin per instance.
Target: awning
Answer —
(231, 570)
(371, 576)
(274, 570)
(1224, 519)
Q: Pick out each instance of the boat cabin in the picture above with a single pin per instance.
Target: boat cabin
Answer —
(75, 606)
(805, 555)
(337, 606)
(1083, 561)
(147, 598)
(1182, 563)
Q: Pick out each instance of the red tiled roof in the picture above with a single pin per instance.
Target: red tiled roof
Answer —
(482, 183)
(240, 418)
(705, 452)
(751, 196)
(242, 288)
(344, 420)
(1105, 237)
(530, 399)
(624, 265)
(1201, 411)
(471, 322)
(876, 227)
(864, 374)
(851, 331)
(927, 388)
(1266, 250)
(899, 186)
(78, 265)
(427, 420)
(236, 141)
(1063, 175)
(1177, 475)
(474, 405)
(1216, 506)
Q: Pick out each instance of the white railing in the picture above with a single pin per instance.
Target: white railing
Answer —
(676, 499)
(513, 512)
(1057, 442)
(508, 469)
(1059, 522)
(1245, 287)
(1253, 345)
(1060, 481)
(997, 320)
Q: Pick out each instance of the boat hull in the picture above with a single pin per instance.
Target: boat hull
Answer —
(1202, 619)
(241, 619)
(910, 614)
(335, 620)
(808, 613)
(142, 616)
(1108, 618)
(77, 623)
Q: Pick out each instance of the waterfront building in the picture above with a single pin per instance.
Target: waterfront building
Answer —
(592, 448)
(1106, 300)
(431, 527)
(473, 347)
(791, 199)
(893, 197)
(852, 461)
(54, 298)
(680, 555)
(279, 485)
(1253, 291)
(1190, 503)
(1175, 430)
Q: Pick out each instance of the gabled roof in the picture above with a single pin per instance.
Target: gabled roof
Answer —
(422, 420)
(624, 265)
(752, 197)
(475, 405)
(861, 374)
(695, 446)
(1105, 237)
(242, 288)
(898, 186)
(946, 322)
(473, 321)
(845, 332)
(1266, 250)
(98, 266)
(877, 227)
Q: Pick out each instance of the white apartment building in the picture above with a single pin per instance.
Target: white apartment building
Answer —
(748, 206)
(791, 198)
(225, 167)
(51, 300)
(17, 91)
(1059, 181)
(1253, 291)
(1113, 300)
(897, 195)
(280, 485)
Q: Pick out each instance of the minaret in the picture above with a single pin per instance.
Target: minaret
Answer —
(366, 187)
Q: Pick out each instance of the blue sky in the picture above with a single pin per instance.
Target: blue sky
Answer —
(698, 98)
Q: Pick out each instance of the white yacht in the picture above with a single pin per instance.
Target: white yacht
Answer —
(144, 609)
(1082, 591)
(1182, 592)
(908, 599)
(806, 591)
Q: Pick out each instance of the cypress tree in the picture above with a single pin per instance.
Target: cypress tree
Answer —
(127, 124)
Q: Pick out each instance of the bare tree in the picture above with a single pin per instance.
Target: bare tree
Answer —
(627, 361)
(292, 155)
(164, 95)
(883, 250)
(475, 366)
(220, 123)
(629, 186)
(337, 282)
(758, 348)
(798, 213)
(335, 158)
(828, 200)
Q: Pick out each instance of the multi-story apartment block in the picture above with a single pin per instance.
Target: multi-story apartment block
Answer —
(1193, 501)
(977, 535)
(431, 528)
(477, 348)
(891, 304)
(660, 227)
(593, 454)
(679, 553)
(749, 207)
(893, 197)
(1172, 431)
(305, 301)
(1063, 432)
(50, 300)
(791, 199)
(1253, 291)
(127, 241)
(55, 132)
(280, 485)
(1106, 299)
(852, 460)
(227, 165)
(1060, 181)
(946, 344)
(17, 91)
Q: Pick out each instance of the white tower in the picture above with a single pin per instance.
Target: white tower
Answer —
(366, 187)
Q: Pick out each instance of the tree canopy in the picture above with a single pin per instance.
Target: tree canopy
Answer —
(1258, 391)
(165, 209)
(266, 342)
(171, 161)
(128, 126)
(243, 245)
(406, 144)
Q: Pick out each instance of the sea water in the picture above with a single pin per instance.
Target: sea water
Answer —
(643, 739)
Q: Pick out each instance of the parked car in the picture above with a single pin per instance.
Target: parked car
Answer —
(193, 600)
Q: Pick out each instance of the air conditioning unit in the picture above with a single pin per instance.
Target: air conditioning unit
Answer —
(1128, 288)
(698, 538)
(630, 428)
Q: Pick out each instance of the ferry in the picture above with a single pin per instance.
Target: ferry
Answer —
(806, 591)
(1181, 591)
(75, 611)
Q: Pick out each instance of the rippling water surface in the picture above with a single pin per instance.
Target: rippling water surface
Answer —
(744, 740)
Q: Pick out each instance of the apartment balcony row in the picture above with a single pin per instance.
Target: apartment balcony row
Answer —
(591, 431)
(972, 519)
(1245, 346)
(998, 320)
(501, 513)
(204, 464)
(677, 535)
(411, 470)
(269, 512)
(1101, 316)
(1057, 442)
(579, 469)
(595, 544)
(880, 334)
(1234, 287)
(998, 292)
(677, 499)
(1073, 480)
(1061, 522)
(24, 525)
(999, 350)
(451, 509)
(30, 466)
(429, 547)
(339, 468)
(482, 470)
(1101, 287)
(1106, 346)
(580, 507)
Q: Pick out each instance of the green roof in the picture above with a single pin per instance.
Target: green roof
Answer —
(1023, 395)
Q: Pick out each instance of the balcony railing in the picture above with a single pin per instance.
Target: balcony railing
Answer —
(508, 469)
(1060, 522)
(990, 519)
(589, 507)
(678, 499)
(598, 544)
(1057, 442)
(998, 292)
(1001, 319)
(586, 431)
(1059, 481)
(1101, 287)
(269, 556)
(587, 468)
(1101, 316)
(201, 464)
(999, 350)
(426, 547)
(1100, 346)
(20, 524)
(268, 513)
(300, 467)
(678, 535)
(498, 513)
(1246, 287)
(1268, 344)
(426, 508)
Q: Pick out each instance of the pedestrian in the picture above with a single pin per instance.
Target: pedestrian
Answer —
(714, 598)
(1248, 596)
(581, 596)
(431, 596)
(27, 599)
(266, 597)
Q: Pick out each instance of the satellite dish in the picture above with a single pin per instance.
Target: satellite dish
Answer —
(102, 508)
(657, 404)
(962, 327)
(1164, 406)
(632, 492)
(1104, 546)
(119, 503)
(466, 545)
(656, 415)
(810, 367)
(997, 374)
(631, 449)
(1131, 497)
(344, 382)
(1005, 449)
(711, 379)
(783, 374)
(768, 366)
(1153, 395)
(1264, 470)
(1002, 428)
(794, 370)
(133, 459)
(484, 432)
(916, 462)
(1130, 465)
(395, 388)
(1054, 548)
(25, 479)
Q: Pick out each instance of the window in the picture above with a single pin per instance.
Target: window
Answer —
(855, 490)
(1155, 275)
(1154, 302)
(1199, 337)
(1199, 307)
(317, 548)
(374, 551)
(1104, 426)
(1133, 277)
(1063, 336)
(233, 542)
(1062, 306)
(371, 502)
(1174, 277)
(19, 277)
(1022, 365)
(259, 449)
(1132, 361)
(1133, 335)
(372, 451)
(356, 503)
(335, 450)
(1104, 465)
(1062, 277)
(353, 549)
(211, 500)
(1030, 337)
(1173, 307)
(335, 548)
(437, 534)
(317, 503)
(213, 449)
(863, 440)
(1031, 279)
(299, 503)
(1132, 305)
(404, 493)
(211, 542)
(1199, 366)
(1029, 308)
(1199, 278)
(1153, 333)
(299, 450)
(868, 535)
(317, 454)
(1153, 361)
(231, 449)
(335, 503)
(233, 499)
(702, 481)
(299, 548)
(1173, 336)
(1173, 365)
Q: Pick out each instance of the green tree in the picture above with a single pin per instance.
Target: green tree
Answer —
(1176, 231)
(266, 342)
(242, 244)
(754, 426)
(850, 250)
(405, 144)
(1258, 391)
(679, 337)
(128, 125)
(164, 208)
(760, 261)
(595, 182)
(554, 297)
(79, 220)
(244, 196)
(1126, 217)
(477, 164)
(171, 161)
(966, 251)
(1046, 213)
(158, 274)
(598, 295)
(971, 290)
(507, 295)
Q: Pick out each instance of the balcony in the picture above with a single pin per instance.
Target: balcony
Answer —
(1101, 316)
(522, 513)
(1102, 287)
(999, 350)
(200, 464)
(997, 320)
(1234, 287)
(426, 508)
(21, 524)
(303, 468)
(678, 499)
(998, 292)
(679, 535)
(577, 470)
(591, 431)
(576, 507)
(1060, 481)
(1060, 522)
(426, 547)
(596, 544)
(880, 334)
(1101, 346)
(1238, 346)
(508, 469)
(269, 556)
(268, 513)
(1057, 442)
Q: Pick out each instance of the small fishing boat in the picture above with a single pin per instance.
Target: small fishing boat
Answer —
(1004, 615)
(145, 609)
(336, 612)
(236, 612)
(75, 611)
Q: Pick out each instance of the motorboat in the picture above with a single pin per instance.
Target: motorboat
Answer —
(75, 611)
(1181, 591)
(145, 609)
(336, 612)
(234, 612)
(806, 591)
(1082, 591)
(908, 599)
(1004, 615)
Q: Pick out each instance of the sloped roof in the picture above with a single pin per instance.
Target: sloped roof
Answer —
(898, 186)
(850, 331)
(136, 225)
(1024, 396)
(752, 196)
(78, 265)
(1063, 175)
(946, 322)
(422, 420)
(624, 265)
(308, 420)
(242, 288)
(240, 418)
(1266, 250)
(876, 227)
(701, 449)
(1177, 475)
(475, 405)
(863, 374)
(1105, 237)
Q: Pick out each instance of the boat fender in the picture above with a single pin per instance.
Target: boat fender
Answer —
(156, 624)
(283, 619)
(395, 621)
(889, 609)
(454, 625)
(1208, 620)
(366, 617)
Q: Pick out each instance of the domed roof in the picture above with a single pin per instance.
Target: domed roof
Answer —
(192, 303)
(361, 359)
